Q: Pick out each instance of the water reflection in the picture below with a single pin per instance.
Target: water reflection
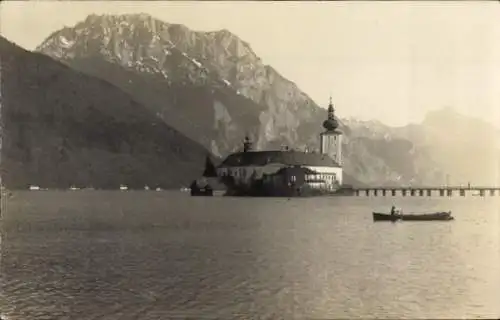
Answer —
(90, 255)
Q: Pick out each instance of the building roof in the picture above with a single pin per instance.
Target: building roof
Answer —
(290, 158)
(294, 170)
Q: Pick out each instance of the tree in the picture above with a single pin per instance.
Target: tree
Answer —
(209, 168)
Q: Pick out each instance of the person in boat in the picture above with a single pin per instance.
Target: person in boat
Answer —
(393, 211)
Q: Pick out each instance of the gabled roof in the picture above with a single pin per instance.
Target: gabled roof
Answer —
(290, 158)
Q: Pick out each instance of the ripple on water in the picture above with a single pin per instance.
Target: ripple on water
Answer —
(91, 255)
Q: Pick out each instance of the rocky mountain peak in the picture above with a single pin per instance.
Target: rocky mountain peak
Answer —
(141, 43)
(214, 88)
(119, 32)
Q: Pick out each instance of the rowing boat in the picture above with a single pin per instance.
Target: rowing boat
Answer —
(435, 216)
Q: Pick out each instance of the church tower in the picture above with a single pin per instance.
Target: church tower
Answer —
(331, 138)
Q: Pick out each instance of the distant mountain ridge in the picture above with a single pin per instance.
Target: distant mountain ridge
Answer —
(213, 88)
(62, 128)
(465, 148)
(217, 60)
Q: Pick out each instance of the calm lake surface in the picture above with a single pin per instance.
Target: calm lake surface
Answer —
(163, 255)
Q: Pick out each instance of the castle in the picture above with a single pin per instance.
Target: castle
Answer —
(287, 172)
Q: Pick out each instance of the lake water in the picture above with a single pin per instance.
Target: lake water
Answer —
(163, 255)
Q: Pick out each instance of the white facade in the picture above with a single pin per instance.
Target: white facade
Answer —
(331, 175)
(325, 172)
(331, 144)
(243, 174)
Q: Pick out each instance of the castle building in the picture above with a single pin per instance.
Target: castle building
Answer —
(286, 172)
(331, 139)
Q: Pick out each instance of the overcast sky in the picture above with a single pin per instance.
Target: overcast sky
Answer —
(391, 61)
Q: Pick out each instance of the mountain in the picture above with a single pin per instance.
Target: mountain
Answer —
(212, 87)
(63, 128)
(184, 75)
(466, 149)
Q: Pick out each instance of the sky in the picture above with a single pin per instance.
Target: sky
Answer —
(390, 61)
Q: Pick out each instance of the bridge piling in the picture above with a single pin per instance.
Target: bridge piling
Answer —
(428, 191)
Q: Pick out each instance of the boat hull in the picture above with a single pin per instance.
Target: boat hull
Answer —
(437, 216)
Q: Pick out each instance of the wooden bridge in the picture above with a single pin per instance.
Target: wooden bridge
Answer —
(427, 191)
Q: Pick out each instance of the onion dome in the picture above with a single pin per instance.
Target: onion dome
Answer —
(331, 123)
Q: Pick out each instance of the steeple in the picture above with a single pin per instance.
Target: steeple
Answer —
(331, 138)
(331, 110)
(331, 123)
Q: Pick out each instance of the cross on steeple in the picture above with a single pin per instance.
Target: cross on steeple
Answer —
(331, 110)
